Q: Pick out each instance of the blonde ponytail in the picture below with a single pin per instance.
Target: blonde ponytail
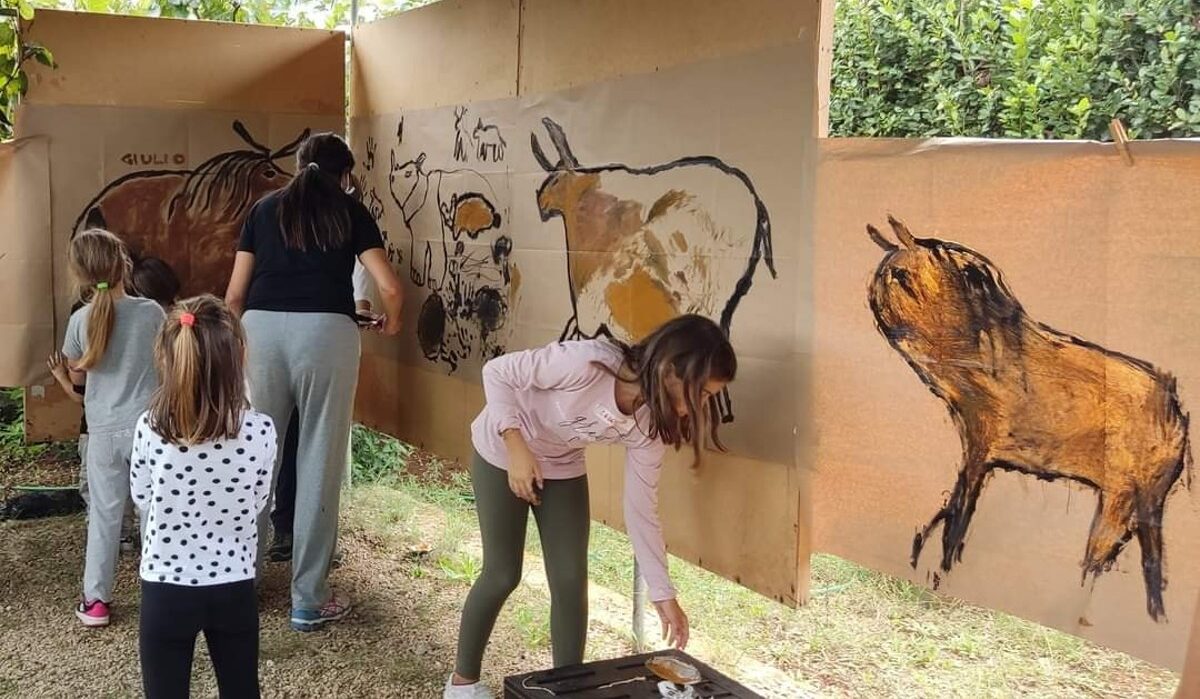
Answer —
(199, 355)
(100, 264)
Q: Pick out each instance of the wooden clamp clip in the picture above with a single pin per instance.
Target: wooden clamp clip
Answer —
(1121, 140)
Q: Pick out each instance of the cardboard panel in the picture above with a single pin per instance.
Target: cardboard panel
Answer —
(1036, 352)
(707, 145)
(446, 53)
(173, 160)
(27, 320)
(112, 60)
(564, 44)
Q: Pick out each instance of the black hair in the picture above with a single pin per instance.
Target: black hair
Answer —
(313, 209)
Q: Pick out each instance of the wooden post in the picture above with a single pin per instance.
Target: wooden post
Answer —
(639, 610)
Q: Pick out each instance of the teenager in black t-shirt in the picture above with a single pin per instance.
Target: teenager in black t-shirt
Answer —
(292, 279)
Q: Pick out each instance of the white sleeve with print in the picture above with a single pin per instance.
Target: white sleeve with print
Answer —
(201, 503)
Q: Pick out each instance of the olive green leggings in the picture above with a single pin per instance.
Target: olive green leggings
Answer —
(563, 522)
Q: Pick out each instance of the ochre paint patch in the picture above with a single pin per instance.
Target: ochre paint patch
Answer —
(639, 304)
(473, 215)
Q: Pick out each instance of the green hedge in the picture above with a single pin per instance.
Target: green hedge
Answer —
(1016, 68)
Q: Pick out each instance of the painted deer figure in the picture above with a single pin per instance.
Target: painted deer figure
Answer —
(645, 244)
(1030, 399)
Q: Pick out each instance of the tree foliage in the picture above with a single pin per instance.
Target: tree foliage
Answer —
(15, 51)
(1016, 68)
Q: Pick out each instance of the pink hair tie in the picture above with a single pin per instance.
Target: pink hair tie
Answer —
(187, 319)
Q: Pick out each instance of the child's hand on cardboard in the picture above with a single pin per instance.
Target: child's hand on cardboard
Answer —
(57, 363)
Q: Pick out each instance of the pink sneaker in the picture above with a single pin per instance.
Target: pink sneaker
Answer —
(92, 614)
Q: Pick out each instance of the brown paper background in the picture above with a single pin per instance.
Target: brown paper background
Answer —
(1089, 246)
(745, 94)
(134, 85)
(27, 319)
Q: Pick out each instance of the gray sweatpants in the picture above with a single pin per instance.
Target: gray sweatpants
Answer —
(127, 521)
(307, 361)
(108, 456)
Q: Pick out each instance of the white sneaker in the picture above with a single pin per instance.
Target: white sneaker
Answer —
(466, 691)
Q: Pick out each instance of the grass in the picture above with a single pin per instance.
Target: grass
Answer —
(862, 633)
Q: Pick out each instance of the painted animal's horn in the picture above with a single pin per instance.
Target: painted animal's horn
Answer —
(887, 245)
(291, 148)
(539, 155)
(559, 139)
(240, 129)
(902, 233)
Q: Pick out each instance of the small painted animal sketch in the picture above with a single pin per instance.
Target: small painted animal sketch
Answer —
(490, 143)
(458, 252)
(1031, 399)
(646, 244)
(464, 135)
(191, 218)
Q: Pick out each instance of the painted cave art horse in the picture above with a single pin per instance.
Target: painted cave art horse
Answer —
(1028, 398)
(644, 247)
(456, 251)
(191, 218)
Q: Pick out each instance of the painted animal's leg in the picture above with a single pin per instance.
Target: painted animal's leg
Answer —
(571, 331)
(922, 536)
(1112, 527)
(960, 508)
(1149, 533)
(722, 406)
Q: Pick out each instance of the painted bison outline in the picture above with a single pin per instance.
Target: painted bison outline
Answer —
(1030, 399)
(174, 214)
(568, 165)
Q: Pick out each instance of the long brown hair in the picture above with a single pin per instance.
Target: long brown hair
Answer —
(200, 357)
(99, 263)
(314, 211)
(696, 351)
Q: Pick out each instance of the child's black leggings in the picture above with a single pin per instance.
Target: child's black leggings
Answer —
(173, 615)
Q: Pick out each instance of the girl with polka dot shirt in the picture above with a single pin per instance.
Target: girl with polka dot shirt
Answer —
(200, 475)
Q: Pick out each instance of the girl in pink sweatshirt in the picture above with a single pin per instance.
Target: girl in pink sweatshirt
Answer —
(544, 406)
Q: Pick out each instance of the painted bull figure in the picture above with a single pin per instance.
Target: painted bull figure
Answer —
(191, 218)
(1030, 399)
(458, 252)
(645, 244)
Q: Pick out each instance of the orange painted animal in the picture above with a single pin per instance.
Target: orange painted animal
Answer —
(1031, 399)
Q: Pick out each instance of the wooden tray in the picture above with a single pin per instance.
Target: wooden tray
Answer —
(580, 681)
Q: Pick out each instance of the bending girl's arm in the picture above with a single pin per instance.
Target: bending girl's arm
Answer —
(643, 465)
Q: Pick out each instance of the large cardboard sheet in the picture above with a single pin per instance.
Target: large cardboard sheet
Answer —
(494, 213)
(1003, 377)
(701, 151)
(27, 321)
(170, 156)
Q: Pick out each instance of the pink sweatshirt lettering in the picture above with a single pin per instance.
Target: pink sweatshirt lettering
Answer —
(561, 402)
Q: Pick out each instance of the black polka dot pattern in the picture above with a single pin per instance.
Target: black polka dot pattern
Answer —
(210, 509)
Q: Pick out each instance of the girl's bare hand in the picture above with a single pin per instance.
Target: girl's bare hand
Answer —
(675, 625)
(524, 474)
